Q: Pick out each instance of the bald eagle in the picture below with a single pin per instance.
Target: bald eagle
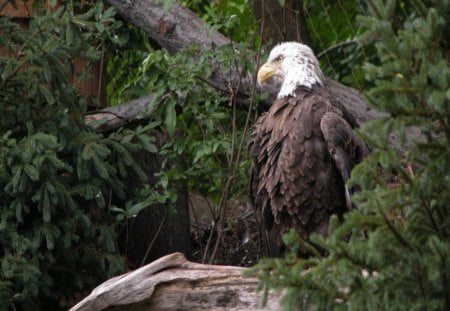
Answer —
(303, 148)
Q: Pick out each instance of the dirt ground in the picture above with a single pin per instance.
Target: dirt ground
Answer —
(241, 241)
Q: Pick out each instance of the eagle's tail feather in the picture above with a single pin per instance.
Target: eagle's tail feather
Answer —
(273, 243)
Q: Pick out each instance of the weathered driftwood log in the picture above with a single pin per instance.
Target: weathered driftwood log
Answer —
(173, 283)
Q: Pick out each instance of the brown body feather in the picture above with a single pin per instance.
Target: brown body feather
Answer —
(303, 150)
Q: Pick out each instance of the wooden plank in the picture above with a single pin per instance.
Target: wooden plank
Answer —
(89, 80)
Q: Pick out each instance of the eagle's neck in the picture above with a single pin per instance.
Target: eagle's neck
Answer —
(305, 75)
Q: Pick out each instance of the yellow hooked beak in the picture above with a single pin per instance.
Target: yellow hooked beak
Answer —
(266, 72)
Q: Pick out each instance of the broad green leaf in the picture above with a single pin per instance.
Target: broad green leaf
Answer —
(170, 119)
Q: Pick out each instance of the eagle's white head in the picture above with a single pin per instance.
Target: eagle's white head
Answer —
(290, 65)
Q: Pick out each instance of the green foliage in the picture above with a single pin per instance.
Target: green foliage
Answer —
(204, 130)
(393, 252)
(207, 145)
(57, 232)
(123, 62)
(334, 33)
(207, 130)
(232, 18)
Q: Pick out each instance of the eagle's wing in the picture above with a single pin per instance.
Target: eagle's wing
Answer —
(344, 146)
(260, 199)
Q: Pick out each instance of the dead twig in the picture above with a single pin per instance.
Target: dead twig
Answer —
(153, 241)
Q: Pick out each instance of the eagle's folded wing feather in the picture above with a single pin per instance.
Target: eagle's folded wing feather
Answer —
(344, 146)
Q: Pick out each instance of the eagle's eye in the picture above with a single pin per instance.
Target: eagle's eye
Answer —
(279, 59)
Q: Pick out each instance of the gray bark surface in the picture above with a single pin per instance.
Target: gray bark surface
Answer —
(176, 29)
(114, 117)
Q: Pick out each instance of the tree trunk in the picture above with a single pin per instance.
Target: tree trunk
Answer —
(173, 283)
(281, 23)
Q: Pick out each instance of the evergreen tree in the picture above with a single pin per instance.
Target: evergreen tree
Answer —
(393, 252)
(57, 176)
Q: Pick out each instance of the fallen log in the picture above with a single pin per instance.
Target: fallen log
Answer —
(173, 283)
